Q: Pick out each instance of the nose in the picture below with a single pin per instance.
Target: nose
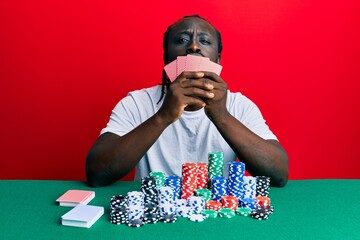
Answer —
(193, 47)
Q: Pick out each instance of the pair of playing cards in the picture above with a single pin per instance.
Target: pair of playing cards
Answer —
(190, 63)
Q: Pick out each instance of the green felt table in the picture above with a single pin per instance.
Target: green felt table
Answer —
(303, 209)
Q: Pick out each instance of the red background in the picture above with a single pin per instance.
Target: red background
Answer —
(65, 64)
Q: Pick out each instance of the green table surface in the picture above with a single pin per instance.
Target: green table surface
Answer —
(303, 209)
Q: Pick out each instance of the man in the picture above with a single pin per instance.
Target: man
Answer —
(159, 128)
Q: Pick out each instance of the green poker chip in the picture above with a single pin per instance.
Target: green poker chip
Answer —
(209, 213)
(244, 211)
(226, 213)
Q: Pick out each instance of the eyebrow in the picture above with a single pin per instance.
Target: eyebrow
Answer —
(188, 32)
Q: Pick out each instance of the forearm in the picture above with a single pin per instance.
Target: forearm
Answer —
(112, 156)
(261, 157)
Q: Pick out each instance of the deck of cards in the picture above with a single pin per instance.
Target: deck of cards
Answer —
(190, 63)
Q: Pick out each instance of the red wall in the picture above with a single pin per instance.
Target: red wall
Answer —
(64, 65)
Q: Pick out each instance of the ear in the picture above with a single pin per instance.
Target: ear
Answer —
(219, 58)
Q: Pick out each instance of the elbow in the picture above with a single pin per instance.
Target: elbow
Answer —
(281, 181)
(94, 176)
(91, 181)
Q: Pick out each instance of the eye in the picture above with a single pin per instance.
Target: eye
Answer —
(205, 41)
(181, 40)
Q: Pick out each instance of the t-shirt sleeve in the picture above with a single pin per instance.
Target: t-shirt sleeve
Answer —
(124, 117)
(249, 115)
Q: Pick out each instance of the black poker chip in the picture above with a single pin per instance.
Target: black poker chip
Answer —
(262, 186)
(136, 223)
(168, 218)
(119, 201)
(151, 218)
(260, 213)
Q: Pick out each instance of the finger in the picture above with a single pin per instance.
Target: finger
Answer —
(198, 92)
(213, 76)
(192, 100)
(203, 83)
(191, 75)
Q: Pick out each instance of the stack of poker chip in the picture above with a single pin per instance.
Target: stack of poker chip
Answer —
(218, 188)
(262, 186)
(249, 187)
(166, 195)
(175, 183)
(119, 209)
(226, 213)
(203, 192)
(209, 213)
(236, 179)
(243, 211)
(230, 202)
(189, 176)
(150, 190)
(202, 175)
(213, 205)
(160, 178)
(215, 165)
(249, 203)
(167, 205)
(136, 205)
(184, 211)
(151, 213)
(197, 204)
(263, 201)
(261, 212)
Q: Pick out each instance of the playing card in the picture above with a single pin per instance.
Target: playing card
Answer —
(210, 66)
(181, 63)
(170, 70)
(193, 63)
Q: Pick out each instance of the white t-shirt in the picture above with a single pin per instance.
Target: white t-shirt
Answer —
(189, 139)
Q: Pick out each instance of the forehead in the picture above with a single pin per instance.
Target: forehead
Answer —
(191, 24)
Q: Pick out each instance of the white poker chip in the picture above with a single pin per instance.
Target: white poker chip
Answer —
(197, 218)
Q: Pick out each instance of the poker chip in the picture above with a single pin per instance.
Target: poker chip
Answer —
(136, 223)
(262, 186)
(119, 201)
(262, 200)
(189, 176)
(208, 213)
(119, 215)
(260, 213)
(213, 205)
(160, 178)
(151, 218)
(243, 211)
(149, 189)
(168, 218)
(175, 183)
(249, 187)
(184, 211)
(249, 203)
(236, 179)
(165, 199)
(203, 192)
(218, 188)
(202, 175)
(230, 202)
(226, 213)
(215, 165)
(197, 218)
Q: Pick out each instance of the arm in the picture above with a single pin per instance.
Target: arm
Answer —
(112, 156)
(261, 157)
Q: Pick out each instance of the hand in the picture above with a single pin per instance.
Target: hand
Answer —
(188, 89)
(215, 107)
